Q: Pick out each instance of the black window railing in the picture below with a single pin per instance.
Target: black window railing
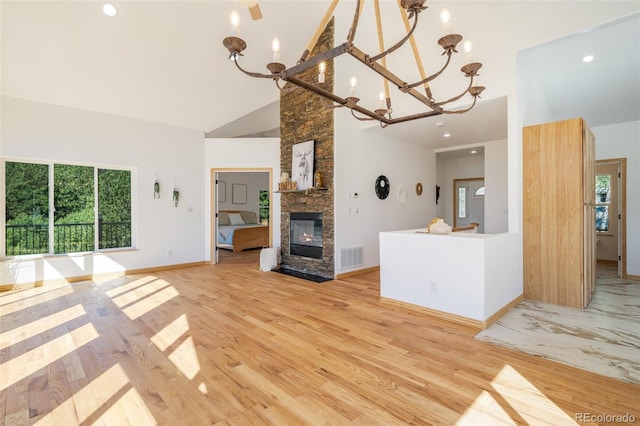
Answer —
(68, 237)
(26, 239)
(73, 237)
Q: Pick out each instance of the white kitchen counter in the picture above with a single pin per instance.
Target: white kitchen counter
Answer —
(471, 276)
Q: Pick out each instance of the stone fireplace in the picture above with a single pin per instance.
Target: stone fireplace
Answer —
(305, 236)
(307, 241)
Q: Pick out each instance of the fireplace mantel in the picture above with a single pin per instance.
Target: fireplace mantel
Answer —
(298, 191)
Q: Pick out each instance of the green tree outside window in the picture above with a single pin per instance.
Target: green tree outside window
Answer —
(264, 207)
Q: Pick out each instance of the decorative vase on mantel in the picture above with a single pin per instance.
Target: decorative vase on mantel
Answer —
(317, 179)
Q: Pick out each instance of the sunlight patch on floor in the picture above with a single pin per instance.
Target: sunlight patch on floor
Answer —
(185, 358)
(129, 286)
(7, 297)
(24, 332)
(171, 333)
(150, 303)
(130, 406)
(91, 397)
(30, 301)
(17, 368)
(530, 403)
(130, 297)
(484, 411)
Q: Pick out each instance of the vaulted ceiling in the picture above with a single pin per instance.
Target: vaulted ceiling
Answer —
(163, 61)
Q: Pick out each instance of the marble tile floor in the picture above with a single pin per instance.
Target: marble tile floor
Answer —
(603, 338)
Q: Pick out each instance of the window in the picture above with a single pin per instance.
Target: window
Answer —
(114, 208)
(63, 220)
(462, 202)
(26, 208)
(264, 207)
(479, 192)
(73, 215)
(603, 199)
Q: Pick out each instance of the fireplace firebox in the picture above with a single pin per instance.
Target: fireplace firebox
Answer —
(305, 237)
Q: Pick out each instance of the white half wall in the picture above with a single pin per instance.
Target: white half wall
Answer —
(241, 153)
(166, 234)
(623, 141)
(468, 275)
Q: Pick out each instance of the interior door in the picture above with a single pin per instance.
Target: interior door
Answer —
(610, 228)
(469, 203)
(589, 188)
(214, 221)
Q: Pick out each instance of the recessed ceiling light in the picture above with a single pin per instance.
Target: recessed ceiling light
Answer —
(473, 151)
(447, 134)
(109, 9)
(439, 124)
(587, 59)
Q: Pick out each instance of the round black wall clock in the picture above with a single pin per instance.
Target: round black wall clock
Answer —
(382, 187)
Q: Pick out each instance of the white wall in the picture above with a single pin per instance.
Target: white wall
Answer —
(623, 141)
(166, 234)
(360, 157)
(254, 181)
(241, 153)
(496, 200)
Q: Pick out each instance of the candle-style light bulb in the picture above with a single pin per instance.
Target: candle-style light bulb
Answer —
(353, 86)
(468, 48)
(381, 97)
(321, 68)
(445, 18)
(235, 22)
(275, 45)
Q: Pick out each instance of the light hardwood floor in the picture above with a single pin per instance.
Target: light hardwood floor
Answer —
(228, 344)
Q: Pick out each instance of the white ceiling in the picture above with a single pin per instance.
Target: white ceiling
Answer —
(163, 61)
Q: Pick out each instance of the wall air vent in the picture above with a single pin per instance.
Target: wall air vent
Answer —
(350, 257)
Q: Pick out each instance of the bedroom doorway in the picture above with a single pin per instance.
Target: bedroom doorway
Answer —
(611, 220)
(241, 201)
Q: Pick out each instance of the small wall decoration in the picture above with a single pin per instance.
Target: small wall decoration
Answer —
(156, 189)
(302, 164)
(222, 191)
(239, 193)
(176, 196)
(382, 187)
(402, 195)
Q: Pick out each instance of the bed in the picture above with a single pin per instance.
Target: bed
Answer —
(239, 230)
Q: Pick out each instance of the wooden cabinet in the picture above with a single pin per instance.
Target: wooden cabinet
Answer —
(559, 237)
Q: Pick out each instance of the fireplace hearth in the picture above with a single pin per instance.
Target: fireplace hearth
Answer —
(305, 237)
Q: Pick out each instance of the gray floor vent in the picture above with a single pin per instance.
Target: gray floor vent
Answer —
(350, 256)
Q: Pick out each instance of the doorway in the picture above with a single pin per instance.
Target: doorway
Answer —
(610, 220)
(240, 190)
(468, 202)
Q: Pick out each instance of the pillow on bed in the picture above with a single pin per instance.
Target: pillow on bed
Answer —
(223, 219)
(236, 219)
(249, 217)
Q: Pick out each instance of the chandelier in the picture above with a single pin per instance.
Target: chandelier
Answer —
(419, 90)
